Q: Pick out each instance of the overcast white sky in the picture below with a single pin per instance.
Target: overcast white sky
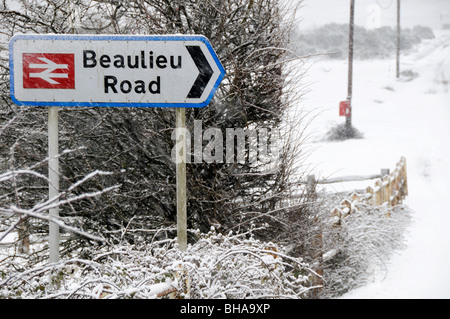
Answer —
(376, 13)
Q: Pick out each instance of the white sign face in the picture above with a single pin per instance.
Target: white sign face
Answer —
(113, 70)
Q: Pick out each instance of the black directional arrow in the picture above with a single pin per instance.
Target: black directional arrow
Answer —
(205, 70)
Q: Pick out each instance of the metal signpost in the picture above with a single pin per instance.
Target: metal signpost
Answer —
(114, 71)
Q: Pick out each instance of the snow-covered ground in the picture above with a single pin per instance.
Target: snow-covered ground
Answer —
(409, 117)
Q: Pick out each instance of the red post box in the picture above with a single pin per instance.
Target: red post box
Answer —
(344, 108)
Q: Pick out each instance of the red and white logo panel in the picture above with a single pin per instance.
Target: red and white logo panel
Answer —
(48, 71)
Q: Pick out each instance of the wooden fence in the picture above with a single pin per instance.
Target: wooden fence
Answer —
(390, 189)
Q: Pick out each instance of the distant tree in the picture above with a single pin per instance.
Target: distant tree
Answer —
(332, 39)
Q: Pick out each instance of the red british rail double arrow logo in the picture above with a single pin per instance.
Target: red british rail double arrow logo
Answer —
(48, 71)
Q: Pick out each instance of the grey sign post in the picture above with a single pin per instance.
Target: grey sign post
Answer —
(178, 71)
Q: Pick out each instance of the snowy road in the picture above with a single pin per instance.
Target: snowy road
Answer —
(398, 118)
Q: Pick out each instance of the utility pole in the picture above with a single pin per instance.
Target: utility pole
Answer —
(398, 39)
(348, 121)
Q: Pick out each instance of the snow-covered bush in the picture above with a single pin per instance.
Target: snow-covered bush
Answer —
(340, 132)
(216, 266)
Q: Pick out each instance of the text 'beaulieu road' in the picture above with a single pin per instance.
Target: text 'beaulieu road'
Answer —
(143, 71)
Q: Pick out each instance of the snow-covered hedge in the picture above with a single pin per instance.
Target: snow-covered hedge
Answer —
(216, 266)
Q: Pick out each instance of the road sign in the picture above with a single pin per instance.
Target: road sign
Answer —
(113, 70)
(344, 108)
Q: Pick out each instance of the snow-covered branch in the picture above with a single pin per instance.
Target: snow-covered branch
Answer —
(46, 217)
(40, 209)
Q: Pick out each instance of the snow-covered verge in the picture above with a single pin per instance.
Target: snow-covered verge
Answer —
(358, 247)
(216, 266)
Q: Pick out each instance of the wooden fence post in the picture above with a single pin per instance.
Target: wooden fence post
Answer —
(311, 184)
(404, 175)
(317, 241)
(378, 193)
(370, 194)
(395, 188)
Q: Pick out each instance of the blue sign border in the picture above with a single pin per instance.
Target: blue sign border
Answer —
(50, 37)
